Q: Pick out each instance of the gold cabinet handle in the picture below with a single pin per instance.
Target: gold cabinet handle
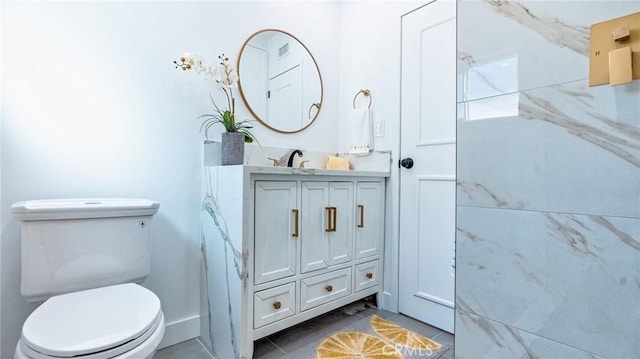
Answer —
(277, 305)
(328, 209)
(369, 275)
(361, 222)
(296, 222)
(328, 288)
(335, 214)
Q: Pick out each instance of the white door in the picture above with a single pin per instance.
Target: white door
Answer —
(254, 67)
(285, 98)
(427, 189)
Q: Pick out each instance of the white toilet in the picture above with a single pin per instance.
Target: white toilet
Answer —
(83, 258)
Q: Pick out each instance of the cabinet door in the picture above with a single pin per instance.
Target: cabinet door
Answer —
(341, 236)
(369, 218)
(275, 218)
(316, 217)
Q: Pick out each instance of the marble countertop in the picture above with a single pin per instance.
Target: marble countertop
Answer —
(276, 170)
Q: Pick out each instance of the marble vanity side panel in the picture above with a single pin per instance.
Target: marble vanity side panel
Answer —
(478, 337)
(223, 267)
(573, 279)
(569, 148)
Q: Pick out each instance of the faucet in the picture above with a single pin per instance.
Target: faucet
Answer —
(290, 162)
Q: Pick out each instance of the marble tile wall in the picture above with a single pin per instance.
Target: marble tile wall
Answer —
(548, 238)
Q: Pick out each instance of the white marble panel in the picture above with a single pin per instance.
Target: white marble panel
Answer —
(574, 279)
(224, 266)
(569, 148)
(509, 46)
(479, 338)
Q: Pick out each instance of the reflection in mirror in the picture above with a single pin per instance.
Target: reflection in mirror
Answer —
(279, 81)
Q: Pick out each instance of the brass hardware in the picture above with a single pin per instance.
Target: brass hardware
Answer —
(296, 221)
(302, 163)
(605, 38)
(620, 71)
(316, 105)
(366, 93)
(328, 288)
(332, 213)
(328, 229)
(369, 275)
(335, 213)
(620, 33)
(276, 163)
(361, 222)
(277, 305)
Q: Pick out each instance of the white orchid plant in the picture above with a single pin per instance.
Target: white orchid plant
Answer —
(226, 77)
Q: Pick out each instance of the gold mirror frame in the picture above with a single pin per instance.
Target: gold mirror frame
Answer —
(314, 106)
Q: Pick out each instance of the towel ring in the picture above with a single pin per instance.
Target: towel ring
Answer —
(316, 105)
(366, 93)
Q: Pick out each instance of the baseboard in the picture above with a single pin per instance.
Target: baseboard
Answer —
(386, 302)
(180, 331)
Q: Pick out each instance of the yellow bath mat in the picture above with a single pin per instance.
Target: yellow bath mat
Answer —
(390, 342)
(346, 345)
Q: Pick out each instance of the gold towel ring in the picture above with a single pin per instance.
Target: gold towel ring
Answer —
(366, 93)
(316, 105)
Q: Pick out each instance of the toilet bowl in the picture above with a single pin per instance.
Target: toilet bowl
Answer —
(120, 321)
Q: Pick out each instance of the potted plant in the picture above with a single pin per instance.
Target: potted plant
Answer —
(236, 132)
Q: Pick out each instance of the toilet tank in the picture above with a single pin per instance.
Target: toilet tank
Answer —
(75, 244)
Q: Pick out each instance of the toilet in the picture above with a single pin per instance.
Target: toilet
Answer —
(84, 258)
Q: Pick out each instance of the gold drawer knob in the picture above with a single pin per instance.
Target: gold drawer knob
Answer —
(277, 305)
(329, 288)
(369, 275)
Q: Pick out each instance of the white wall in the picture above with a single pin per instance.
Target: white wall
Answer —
(370, 59)
(92, 106)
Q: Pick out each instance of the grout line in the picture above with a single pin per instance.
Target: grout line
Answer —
(204, 347)
(276, 345)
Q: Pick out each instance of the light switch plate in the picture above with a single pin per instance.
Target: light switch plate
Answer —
(379, 128)
(602, 43)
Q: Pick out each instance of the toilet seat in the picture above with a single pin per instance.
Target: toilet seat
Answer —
(93, 324)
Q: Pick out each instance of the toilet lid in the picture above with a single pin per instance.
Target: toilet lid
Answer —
(90, 321)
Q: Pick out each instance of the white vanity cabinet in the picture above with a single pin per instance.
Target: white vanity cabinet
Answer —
(311, 241)
(327, 210)
(274, 236)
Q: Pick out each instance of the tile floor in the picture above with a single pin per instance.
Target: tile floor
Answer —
(289, 340)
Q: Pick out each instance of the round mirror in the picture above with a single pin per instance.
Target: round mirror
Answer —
(279, 81)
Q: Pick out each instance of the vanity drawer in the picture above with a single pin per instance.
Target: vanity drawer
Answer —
(273, 304)
(367, 275)
(321, 289)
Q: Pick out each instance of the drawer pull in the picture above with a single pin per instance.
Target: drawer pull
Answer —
(361, 210)
(329, 288)
(335, 214)
(328, 229)
(332, 213)
(296, 220)
(277, 305)
(369, 275)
